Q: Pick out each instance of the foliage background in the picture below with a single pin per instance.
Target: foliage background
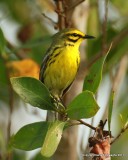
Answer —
(28, 35)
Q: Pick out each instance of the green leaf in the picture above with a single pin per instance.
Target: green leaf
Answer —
(30, 136)
(110, 109)
(121, 118)
(32, 91)
(40, 134)
(83, 106)
(93, 79)
(52, 139)
(126, 123)
(2, 41)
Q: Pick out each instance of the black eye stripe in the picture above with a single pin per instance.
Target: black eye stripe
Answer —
(75, 35)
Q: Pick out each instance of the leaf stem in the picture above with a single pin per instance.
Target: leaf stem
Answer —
(51, 20)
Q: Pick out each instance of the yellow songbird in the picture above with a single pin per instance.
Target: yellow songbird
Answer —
(61, 63)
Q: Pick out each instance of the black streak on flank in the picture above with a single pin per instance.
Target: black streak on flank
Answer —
(56, 49)
(51, 62)
(52, 55)
(70, 45)
(56, 54)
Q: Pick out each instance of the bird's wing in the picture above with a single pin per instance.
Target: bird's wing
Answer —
(44, 65)
(46, 59)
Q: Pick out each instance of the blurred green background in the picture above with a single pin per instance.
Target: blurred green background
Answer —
(27, 35)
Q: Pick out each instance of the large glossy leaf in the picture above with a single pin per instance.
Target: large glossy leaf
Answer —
(94, 77)
(83, 106)
(52, 138)
(40, 134)
(32, 91)
(30, 136)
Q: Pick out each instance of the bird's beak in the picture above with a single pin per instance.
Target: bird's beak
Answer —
(88, 37)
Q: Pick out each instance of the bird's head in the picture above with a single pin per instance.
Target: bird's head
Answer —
(71, 36)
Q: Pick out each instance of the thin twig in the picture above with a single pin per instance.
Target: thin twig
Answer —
(61, 19)
(74, 5)
(51, 20)
(104, 123)
(122, 131)
(10, 90)
(60, 13)
(65, 12)
(80, 122)
(86, 124)
(116, 80)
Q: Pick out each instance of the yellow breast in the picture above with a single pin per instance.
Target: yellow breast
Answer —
(62, 71)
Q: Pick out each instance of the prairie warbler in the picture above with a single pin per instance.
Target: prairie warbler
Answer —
(61, 63)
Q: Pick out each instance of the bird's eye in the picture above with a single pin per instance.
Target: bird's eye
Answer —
(74, 34)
